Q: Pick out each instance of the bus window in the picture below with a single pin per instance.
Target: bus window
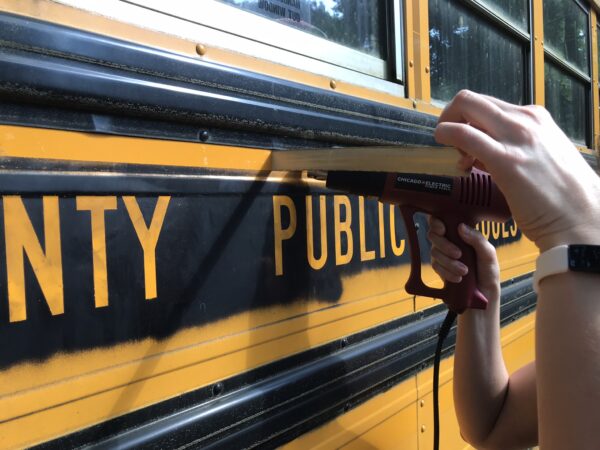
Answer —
(514, 11)
(353, 23)
(318, 36)
(475, 48)
(567, 67)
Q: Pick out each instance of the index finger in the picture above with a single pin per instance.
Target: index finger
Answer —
(478, 111)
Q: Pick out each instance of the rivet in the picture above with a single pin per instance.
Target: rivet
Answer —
(422, 403)
(200, 49)
(344, 343)
(410, 63)
(423, 428)
(347, 406)
(535, 38)
(426, 69)
(414, 103)
(217, 389)
(333, 84)
(203, 136)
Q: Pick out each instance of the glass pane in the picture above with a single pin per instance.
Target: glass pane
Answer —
(358, 24)
(514, 11)
(467, 52)
(567, 102)
(566, 32)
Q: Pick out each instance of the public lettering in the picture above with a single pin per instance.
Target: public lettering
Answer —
(397, 249)
(343, 232)
(365, 255)
(281, 234)
(316, 263)
(342, 227)
(381, 230)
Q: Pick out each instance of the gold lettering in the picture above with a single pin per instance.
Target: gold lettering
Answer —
(513, 229)
(20, 237)
(495, 230)
(97, 206)
(396, 249)
(342, 227)
(504, 231)
(148, 237)
(381, 232)
(315, 263)
(281, 234)
(485, 229)
(365, 255)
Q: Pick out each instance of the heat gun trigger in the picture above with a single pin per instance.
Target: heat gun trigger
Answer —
(458, 296)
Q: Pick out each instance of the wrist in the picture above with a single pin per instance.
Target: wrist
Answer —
(576, 235)
(584, 218)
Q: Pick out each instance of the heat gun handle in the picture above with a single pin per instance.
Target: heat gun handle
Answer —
(466, 294)
(458, 296)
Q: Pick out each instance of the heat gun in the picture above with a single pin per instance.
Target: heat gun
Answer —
(454, 200)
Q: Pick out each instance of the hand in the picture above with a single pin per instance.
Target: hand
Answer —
(552, 192)
(444, 257)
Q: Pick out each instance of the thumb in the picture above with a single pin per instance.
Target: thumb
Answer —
(486, 253)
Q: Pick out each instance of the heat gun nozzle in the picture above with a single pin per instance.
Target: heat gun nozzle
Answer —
(369, 184)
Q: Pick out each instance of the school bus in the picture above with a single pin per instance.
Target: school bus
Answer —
(162, 287)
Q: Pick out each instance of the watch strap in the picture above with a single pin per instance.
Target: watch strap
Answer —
(550, 262)
(564, 258)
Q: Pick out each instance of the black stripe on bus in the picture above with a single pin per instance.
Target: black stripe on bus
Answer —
(276, 403)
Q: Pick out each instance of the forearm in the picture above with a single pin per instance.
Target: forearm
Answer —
(568, 361)
(480, 376)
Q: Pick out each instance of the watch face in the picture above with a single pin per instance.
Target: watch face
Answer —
(584, 258)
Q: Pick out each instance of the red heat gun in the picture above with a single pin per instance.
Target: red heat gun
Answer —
(453, 200)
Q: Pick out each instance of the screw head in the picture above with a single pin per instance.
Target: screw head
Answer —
(333, 84)
(422, 403)
(423, 428)
(426, 69)
(411, 63)
(217, 389)
(201, 49)
(414, 104)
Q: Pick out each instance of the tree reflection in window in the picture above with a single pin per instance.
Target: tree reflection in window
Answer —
(358, 24)
(468, 52)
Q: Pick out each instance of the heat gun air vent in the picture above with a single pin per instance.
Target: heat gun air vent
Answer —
(476, 190)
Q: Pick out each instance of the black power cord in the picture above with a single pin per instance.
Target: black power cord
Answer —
(443, 333)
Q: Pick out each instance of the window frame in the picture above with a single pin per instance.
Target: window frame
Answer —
(163, 17)
(568, 68)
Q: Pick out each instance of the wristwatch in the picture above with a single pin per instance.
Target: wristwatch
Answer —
(560, 259)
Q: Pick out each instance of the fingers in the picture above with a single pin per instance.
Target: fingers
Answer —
(444, 254)
(475, 143)
(448, 268)
(436, 226)
(477, 110)
(504, 106)
(443, 245)
(486, 253)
